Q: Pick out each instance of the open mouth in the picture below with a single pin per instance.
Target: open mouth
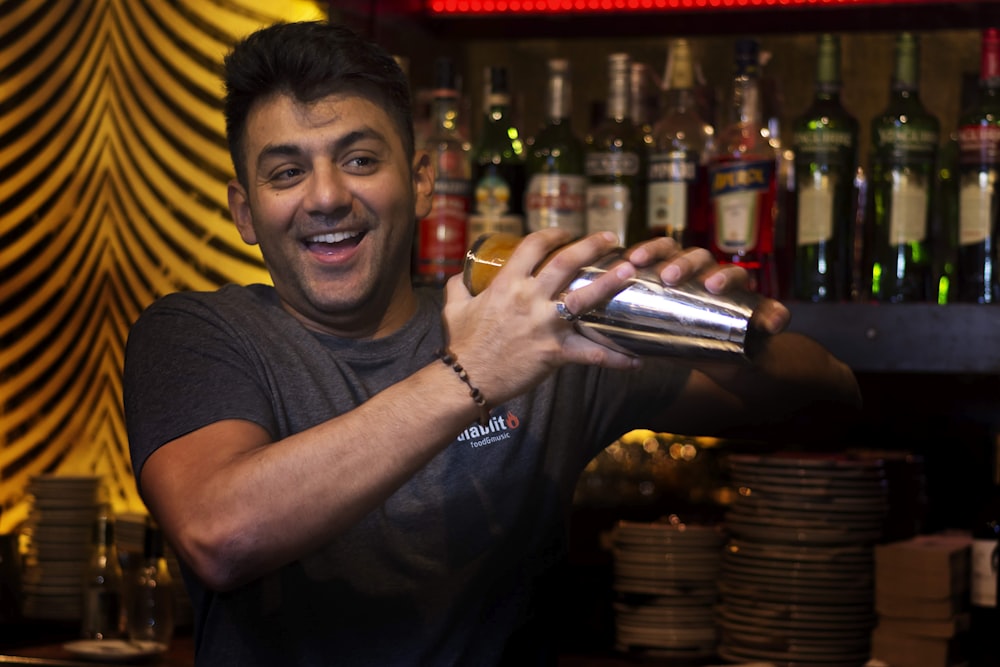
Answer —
(334, 241)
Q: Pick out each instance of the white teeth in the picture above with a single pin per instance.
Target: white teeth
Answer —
(335, 237)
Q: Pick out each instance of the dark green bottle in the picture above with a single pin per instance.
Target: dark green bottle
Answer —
(615, 163)
(498, 172)
(554, 161)
(944, 225)
(904, 151)
(825, 143)
(978, 173)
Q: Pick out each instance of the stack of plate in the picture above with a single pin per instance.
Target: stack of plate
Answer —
(58, 533)
(797, 582)
(665, 576)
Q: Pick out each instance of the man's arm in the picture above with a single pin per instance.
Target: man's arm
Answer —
(236, 505)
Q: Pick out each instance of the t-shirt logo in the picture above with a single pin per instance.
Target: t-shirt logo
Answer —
(500, 427)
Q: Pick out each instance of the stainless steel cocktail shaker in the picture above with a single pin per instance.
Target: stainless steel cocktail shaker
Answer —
(646, 318)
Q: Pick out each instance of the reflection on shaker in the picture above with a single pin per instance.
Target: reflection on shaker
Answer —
(647, 318)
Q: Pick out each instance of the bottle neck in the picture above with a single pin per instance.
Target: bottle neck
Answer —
(680, 91)
(558, 97)
(498, 109)
(618, 89)
(446, 112)
(746, 100)
(906, 76)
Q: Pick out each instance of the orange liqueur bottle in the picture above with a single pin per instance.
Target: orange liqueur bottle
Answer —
(742, 181)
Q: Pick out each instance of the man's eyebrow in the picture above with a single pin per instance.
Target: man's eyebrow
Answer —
(342, 143)
(279, 151)
(359, 135)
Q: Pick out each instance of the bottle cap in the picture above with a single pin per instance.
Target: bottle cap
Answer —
(444, 77)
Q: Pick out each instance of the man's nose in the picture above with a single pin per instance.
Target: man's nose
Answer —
(328, 191)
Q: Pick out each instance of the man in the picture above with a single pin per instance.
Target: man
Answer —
(313, 450)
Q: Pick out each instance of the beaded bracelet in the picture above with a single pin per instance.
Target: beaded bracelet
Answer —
(449, 359)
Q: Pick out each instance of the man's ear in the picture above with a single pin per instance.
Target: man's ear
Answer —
(423, 183)
(239, 208)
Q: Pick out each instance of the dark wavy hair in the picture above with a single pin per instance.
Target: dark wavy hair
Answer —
(309, 61)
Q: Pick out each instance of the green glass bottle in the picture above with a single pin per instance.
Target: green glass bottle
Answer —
(554, 161)
(944, 225)
(978, 171)
(825, 142)
(904, 152)
(498, 171)
(614, 163)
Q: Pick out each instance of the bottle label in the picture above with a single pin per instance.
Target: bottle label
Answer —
(556, 200)
(608, 208)
(821, 140)
(670, 176)
(442, 239)
(984, 573)
(979, 144)
(612, 164)
(737, 191)
(908, 138)
(815, 207)
(668, 206)
(908, 209)
(975, 206)
(492, 195)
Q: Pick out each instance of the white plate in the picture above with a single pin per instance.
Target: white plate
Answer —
(116, 650)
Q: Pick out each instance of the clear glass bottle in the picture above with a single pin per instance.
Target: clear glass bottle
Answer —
(825, 143)
(978, 171)
(150, 593)
(442, 237)
(498, 170)
(681, 144)
(103, 612)
(743, 180)
(554, 162)
(904, 153)
(614, 163)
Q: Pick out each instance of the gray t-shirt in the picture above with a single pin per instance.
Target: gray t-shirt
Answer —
(441, 573)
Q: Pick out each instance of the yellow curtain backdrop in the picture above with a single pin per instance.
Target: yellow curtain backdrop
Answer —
(113, 167)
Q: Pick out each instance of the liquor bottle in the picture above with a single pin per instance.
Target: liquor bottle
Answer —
(681, 143)
(614, 163)
(498, 170)
(743, 181)
(904, 151)
(985, 614)
(150, 593)
(944, 225)
(979, 168)
(442, 238)
(825, 142)
(554, 161)
(644, 100)
(103, 612)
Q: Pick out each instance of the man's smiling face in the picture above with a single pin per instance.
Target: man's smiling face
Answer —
(332, 200)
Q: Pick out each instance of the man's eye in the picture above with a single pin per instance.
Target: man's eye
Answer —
(286, 174)
(362, 163)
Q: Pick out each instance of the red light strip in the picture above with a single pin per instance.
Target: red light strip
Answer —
(492, 7)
